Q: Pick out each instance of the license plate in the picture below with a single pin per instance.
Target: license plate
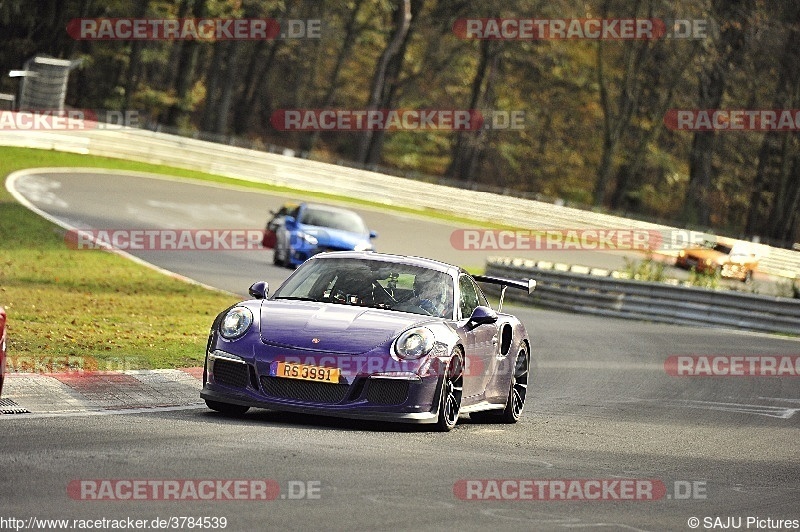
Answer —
(305, 372)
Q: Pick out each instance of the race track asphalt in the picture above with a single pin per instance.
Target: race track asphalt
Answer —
(601, 407)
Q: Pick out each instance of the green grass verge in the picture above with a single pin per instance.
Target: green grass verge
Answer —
(90, 309)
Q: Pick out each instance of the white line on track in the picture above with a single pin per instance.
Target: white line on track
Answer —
(116, 412)
(11, 187)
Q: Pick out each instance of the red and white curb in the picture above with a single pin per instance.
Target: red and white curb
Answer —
(101, 391)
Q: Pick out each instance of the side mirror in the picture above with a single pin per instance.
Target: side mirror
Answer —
(290, 223)
(483, 315)
(373, 234)
(259, 290)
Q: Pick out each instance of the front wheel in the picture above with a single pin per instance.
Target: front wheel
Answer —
(227, 408)
(277, 258)
(450, 398)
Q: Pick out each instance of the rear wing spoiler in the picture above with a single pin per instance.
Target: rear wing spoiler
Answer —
(528, 285)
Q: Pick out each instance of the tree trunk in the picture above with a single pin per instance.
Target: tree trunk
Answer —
(212, 87)
(185, 73)
(231, 55)
(244, 113)
(726, 55)
(616, 123)
(402, 25)
(309, 141)
(134, 60)
(392, 84)
(460, 166)
(774, 198)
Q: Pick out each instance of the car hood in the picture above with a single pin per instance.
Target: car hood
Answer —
(336, 238)
(330, 327)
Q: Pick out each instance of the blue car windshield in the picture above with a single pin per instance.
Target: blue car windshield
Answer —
(372, 283)
(333, 219)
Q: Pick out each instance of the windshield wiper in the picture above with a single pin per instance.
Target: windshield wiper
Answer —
(297, 298)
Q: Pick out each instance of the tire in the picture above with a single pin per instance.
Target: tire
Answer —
(227, 408)
(451, 394)
(277, 256)
(519, 389)
(515, 402)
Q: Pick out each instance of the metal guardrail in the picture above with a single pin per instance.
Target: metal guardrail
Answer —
(625, 298)
(258, 166)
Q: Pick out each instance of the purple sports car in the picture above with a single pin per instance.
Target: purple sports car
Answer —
(371, 336)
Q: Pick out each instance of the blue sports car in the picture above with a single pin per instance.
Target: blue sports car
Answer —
(310, 229)
(371, 336)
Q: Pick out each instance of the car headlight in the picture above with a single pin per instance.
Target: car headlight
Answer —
(363, 246)
(235, 323)
(414, 343)
(310, 239)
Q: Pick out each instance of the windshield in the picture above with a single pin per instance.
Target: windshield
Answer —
(372, 283)
(334, 219)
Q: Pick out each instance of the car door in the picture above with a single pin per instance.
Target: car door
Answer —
(481, 342)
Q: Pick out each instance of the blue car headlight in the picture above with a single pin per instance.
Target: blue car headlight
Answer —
(235, 323)
(309, 239)
(414, 343)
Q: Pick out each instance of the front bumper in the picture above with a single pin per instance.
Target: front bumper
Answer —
(409, 399)
(349, 413)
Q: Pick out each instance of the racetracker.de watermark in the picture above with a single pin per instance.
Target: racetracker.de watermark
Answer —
(70, 364)
(192, 29)
(192, 489)
(590, 239)
(67, 120)
(554, 239)
(614, 29)
(396, 120)
(733, 119)
(578, 489)
(732, 365)
(165, 239)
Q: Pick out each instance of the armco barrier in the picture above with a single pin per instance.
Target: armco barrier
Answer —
(624, 298)
(252, 165)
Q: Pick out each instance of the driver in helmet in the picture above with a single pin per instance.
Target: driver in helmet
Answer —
(429, 291)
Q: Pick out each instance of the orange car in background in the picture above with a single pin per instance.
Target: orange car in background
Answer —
(730, 259)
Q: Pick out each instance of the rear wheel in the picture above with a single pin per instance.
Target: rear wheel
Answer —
(516, 394)
(519, 389)
(226, 408)
(452, 391)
